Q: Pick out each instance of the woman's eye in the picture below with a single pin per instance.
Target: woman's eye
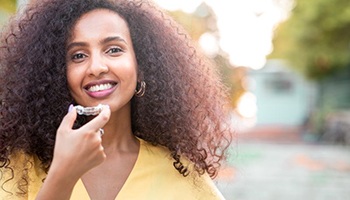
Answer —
(114, 50)
(78, 57)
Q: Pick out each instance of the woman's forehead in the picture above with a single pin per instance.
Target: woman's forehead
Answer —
(100, 21)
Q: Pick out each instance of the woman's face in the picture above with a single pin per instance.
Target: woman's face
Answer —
(101, 63)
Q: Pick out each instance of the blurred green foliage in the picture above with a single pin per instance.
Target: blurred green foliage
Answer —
(8, 6)
(316, 37)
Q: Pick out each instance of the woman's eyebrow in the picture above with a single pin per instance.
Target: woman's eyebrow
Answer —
(113, 38)
(76, 44)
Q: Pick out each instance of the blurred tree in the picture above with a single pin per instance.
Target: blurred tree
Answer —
(8, 6)
(316, 37)
(316, 41)
(202, 21)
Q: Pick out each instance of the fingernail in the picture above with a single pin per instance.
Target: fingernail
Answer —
(70, 107)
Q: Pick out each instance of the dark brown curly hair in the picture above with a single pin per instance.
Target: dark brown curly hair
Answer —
(184, 107)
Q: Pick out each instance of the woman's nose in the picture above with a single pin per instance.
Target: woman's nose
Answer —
(97, 66)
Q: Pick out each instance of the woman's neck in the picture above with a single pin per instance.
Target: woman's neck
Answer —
(118, 136)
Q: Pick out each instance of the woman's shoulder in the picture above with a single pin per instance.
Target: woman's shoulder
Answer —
(156, 156)
(158, 163)
(17, 162)
(154, 151)
(22, 174)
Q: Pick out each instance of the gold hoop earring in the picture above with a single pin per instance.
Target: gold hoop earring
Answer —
(142, 90)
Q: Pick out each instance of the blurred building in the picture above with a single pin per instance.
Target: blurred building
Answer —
(283, 97)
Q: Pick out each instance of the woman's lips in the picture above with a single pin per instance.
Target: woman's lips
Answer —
(100, 89)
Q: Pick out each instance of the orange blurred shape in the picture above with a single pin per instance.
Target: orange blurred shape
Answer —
(308, 163)
(226, 173)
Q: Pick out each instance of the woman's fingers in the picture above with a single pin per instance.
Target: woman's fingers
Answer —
(68, 120)
(94, 125)
(98, 122)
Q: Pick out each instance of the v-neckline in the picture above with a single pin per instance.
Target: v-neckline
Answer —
(80, 192)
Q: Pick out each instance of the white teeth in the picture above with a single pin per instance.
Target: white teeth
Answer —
(101, 87)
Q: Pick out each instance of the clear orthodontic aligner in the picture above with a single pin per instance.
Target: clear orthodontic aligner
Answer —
(88, 110)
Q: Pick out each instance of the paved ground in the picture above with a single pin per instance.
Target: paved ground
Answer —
(275, 163)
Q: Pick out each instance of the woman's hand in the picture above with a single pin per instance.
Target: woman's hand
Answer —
(76, 152)
(80, 150)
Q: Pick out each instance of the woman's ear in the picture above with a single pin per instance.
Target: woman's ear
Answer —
(140, 84)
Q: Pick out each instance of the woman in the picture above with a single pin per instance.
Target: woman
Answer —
(161, 132)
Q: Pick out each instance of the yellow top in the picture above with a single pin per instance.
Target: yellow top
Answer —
(152, 177)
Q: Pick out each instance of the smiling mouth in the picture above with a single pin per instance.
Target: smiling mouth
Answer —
(100, 87)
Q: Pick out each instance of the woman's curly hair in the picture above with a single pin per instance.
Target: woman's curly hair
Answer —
(184, 107)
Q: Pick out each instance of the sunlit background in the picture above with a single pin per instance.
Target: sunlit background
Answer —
(245, 27)
(287, 66)
(244, 31)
